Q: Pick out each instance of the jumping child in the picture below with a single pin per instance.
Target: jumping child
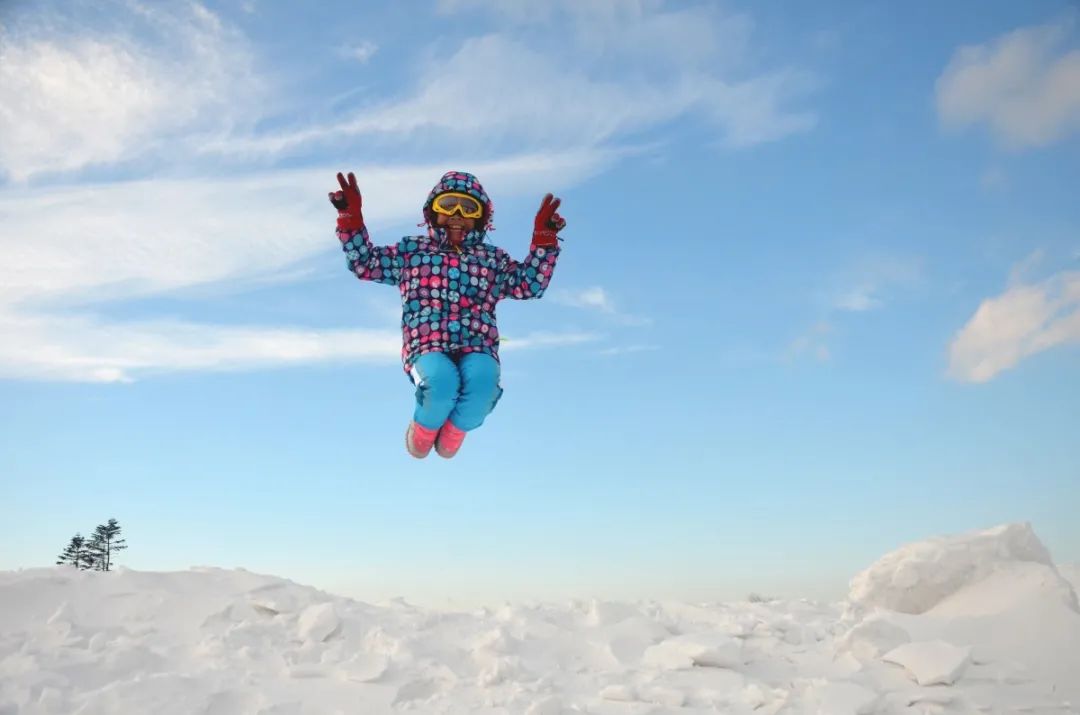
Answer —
(450, 281)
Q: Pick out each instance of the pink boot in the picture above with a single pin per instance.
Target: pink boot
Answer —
(419, 439)
(449, 440)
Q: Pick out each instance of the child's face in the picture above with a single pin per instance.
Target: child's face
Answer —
(456, 221)
(456, 226)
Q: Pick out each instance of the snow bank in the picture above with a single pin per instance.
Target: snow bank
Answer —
(987, 605)
(214, 641)
(916, 577)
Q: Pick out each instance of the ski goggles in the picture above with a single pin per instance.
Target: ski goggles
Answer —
(452, 202)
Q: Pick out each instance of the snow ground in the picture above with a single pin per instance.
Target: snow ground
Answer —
(975, 623)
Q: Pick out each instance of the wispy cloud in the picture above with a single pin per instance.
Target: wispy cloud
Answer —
(71, 98)
(65, 250)
(812, 343)
(859, 299)
(87, 348)
(594, 298)
(547, 340)
(867, 283)
(684, 69)
(597, 299)
(1026, 319)
(175, 88)
(1025, 85)
(361, 52)
(131, 239)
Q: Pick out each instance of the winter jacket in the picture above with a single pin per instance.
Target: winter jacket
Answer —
(448, 293)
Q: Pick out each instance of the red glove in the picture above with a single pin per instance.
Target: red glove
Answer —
(547, 224)
(348, 202)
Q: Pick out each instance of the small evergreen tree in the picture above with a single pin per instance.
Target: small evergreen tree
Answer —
(106, 540)
(77, 553)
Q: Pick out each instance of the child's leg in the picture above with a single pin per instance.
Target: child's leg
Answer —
(480, 390)
(437, 384)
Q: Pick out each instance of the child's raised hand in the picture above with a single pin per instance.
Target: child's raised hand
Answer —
(349, 203)
(548, 223)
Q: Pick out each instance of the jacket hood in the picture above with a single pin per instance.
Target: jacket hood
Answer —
(465, 183)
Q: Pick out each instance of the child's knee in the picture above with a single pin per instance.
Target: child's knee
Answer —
(436, 379)
(480, 373)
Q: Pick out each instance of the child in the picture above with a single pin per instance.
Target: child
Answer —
(450, 281)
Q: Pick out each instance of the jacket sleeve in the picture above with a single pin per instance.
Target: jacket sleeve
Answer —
(381, 264)
(528, 278)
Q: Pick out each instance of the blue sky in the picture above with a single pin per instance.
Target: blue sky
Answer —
(819, 294)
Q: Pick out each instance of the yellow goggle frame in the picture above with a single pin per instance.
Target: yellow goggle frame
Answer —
(453, 202)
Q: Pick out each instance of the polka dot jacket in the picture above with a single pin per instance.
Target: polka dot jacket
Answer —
(448, 294)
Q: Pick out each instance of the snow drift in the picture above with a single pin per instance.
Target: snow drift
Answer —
(917, 577)
(979, 622)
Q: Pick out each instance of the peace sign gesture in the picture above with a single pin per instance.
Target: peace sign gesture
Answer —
(548, 223)
(348, 202)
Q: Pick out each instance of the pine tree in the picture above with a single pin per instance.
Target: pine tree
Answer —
(105, 542)
(77, 553)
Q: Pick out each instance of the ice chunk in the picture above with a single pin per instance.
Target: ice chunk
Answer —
(870, 638)
(703, 649)
(931, 662)
(318, 623)
(364, 667)
(753, 696)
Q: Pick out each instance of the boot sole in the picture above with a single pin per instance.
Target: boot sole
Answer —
(408, 445)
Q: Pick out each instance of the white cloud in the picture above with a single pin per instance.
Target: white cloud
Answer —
(627, 72)
(628, 32)
(363, 52)
(814, 342)
(1025, 270)
(66, 249)
(74, 99)
(138, 238)
(595, 298)
(1024, 85)
(88, 349)
(1021, 322)
(858, 300)
(546, 340)
(866, 283)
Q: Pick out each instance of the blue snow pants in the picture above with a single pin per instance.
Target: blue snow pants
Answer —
(463, 388)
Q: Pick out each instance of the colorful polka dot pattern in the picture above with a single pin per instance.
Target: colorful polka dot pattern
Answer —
(448, 297)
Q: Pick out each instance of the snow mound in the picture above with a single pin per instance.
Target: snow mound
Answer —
(214, 641)
(982, 606)
(917, 577)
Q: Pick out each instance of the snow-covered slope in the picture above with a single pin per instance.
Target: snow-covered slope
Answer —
(999, 633)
